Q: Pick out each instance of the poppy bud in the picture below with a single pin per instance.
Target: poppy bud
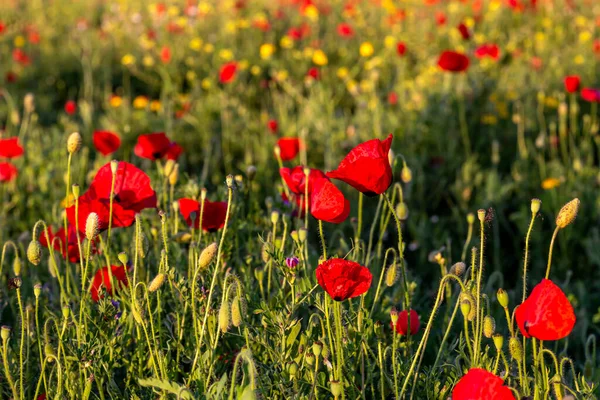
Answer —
(207, 255)
(302, 233)
(28, 103)
(265, 252)
(174, 176)
(406, 174)
(317, 347)
(114, 166)
(156, 283)
(336, 388)
(49, 352)
(224, 319)
(203, 192)
(239, 179)
(236, 312)
(378, 328)
(277, 151)
(515, 348)
(294, 235)
(292, 369)
(229, 181)
(567, 213)
(91, 226)
(481, 215)
(34, 252)
(75, 190)
(498, 341)
(37, 290)
(274, 217)
(251, 172)
(169, 166)
(394, 316)
(391, 157)
(65, 311)
(489, 326)
(536, 204)
(465, 308)
(391, 275)
(17, 266)
(74, 142)
(5, 332)
(402, 211)
(123, 258)
(458, 269)
(468, 297)
(502, 297)
(309, 358)
(470, 218)
(557, 386)
(326, 352)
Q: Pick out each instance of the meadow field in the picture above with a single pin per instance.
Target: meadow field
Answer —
(300, 199)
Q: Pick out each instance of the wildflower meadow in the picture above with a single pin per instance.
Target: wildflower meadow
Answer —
(300, 199)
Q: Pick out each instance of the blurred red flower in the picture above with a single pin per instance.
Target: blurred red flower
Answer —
(70, 107)
(296, 180)
(313, 73)
(227, 72)
(453, 61)
(479, 384)
(572, 83)
(213, 216)
(68, 247)
(590, 94)
(345, 30)
(8, 172)
(289, 148)
(327, 202)
(273, 125)
(546, 314)
(10, 148)
(464, 31)
(21, 57)
(106, 142)
(402, 324)
(488, 50)
(152, 146)
(343, 279)
(165, 55)
(102, 281)
(392, 98)
(401, 48)
(440, 18)
(367, 168)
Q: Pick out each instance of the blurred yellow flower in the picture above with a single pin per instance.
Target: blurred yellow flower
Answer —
(389, 42)
(243, 23)
(266, 51)
(226, 54)
(206, 83)
(495, 5)
(286, 42)
(551, 102)
(68, 201)
(128, 59)
(469, 22)
(580, 21)
(148, 61)
(311, 12)
(204, 7)
(190, 76)
(585, 36)
(209, 48)
(579, 59)
(342, 72)
(540, 37)
(115, 101)
(479, 38)
(196, 44)
(366, 86)
(230, 27)
(453, 8)
(281, 76)
(173, 11)
(243, 65)
(373, 63)
(489, 119)
(255, 70)
(140, 102)
(19, 41)
(352, 87)
(319, 57)
(181, 22)
(547, 22)
(550, 183)
(366, 49)
(155, 105)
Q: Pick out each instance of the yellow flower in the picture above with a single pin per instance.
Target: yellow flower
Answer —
(580, 21)
(115, 101)
(226, 54)
(366, 49)
(196, 44)
(255, 70)
(389, 42)
(140, 102)
(319, 57)
(266, 51)
(243, 65)
(243, 23)
(190, 76)
(230, 27)
(311, 12)
(469, 22)
(19, 41)
(148, 61)
(550, 183)
(342, 72)
(489, 119)
(204, 8)
(281, 76)
(155, 105)
(286, 42)
(173, 11)
(579, 59)
(585, 36)
(128, 59)
(206, 83)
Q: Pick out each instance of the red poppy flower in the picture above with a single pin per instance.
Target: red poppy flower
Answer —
(8, 172)
(70, 107)
(273, 125)
(213, 217)
(343, 279)
(295, 179)
(101, 281)
(67, 246)
(572, 83)
(227, 72)
(488, 50)
(401, 48)
(152, 146)
(289, 148)
(174, 151)
(367, 168)
(590, 94)
(10, 148)
(453, 61)
(546, 314)
(440, 18)
(392, 98)
(464, 31)
(106, 142)
(2, 27)
(300, 206)
(21, 57)
(165, 55)
(479, 384)
(328, 202)
(402, 323)
(313, 73)
(345, 30)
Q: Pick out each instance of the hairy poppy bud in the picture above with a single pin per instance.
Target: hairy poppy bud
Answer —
(317, 347)
(236, 312)
(229, 181)
(65, 311)
(91, 226)
(17, 266)
(515, 348)
(391, 275)
(309, 358)
(498, 341)
(224, 317)
(292, 369)
(294, 235)
(34, 252)
(402, 211)
(502, 297)
(49, 352)
(157, 282)
(465, 308)
(74, 142)
(302, 233)
(406, 174)
(239, 179)
(207, 255)
(336, 388)
(5, 332)
(458, 269)
(467, 297)
(394, 316)
(536, 204)
(274, 217)
(37, 290)
(489, 326)
(568, 213)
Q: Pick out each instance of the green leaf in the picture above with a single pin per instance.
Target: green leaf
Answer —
(171, 387)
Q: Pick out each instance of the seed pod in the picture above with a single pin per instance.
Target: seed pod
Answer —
(91, 226)
(502, 297)
(236, 312)
(292, 369)
(224, 317)
(74, 142)
(489, 326)
(567, 213)
(391, 275)
(481, 215)
(207, 255)
(37, 290)
(229, 181)
(157, 282)
(34, 253)
(515, 348)
(309, 358)
(536, 204)
(458, 269)
(5, 332)
(336, 388)
(317, 348)
(402, 211)
(498, 341)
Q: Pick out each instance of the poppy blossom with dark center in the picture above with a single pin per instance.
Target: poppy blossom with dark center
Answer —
(546, 314)
(572, 83)
(10, 148)
(227, 72)
(101, 282)
(152, 146)
(367, 168)
(68, 247)
(479, 384)
(289, 148)
(295, 179)
(8, 172)
(453, 62)
(106, 142)
(213, 216)
(402, 323)
(343, 279)
(328, 202)
(590, 95)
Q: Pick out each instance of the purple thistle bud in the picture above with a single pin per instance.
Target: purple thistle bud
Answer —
(292, 262)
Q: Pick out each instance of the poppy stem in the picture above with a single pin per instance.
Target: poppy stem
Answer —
(359, 226)
(527, 256)
(550, 252)
(469, 237)
(478, 324)
(110, 207)
(323, 240)
(400, 254)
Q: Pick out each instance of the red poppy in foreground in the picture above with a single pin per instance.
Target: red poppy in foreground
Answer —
(328, 202)
(227, 72)
(152, 146)
(453, 61)
(343, 279)
(101, 281)
(10, 148)
(296, 180)
(8, 172)
(367, 168)
(289, 148)
(70, 107)
(590, 95)
(479, 384)
(106, 142)
(546, 314)
(174, 152)
(572, 83)
(213, 216)
(402, 323)
(68, 247)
